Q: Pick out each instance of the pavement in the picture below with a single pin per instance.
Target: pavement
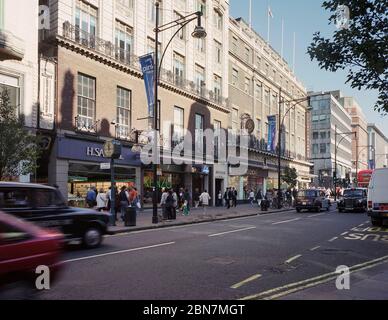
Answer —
(279, 255)
(197, 215)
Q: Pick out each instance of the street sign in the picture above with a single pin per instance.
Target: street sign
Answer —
(105, 166)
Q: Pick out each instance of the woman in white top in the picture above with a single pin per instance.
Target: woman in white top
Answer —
(101, 200)
(252, 197)
(205, 199)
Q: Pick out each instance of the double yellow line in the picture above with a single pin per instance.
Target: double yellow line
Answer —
(309, 283)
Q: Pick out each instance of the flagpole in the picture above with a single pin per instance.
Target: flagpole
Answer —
(250, 14)
(293, 58)
(268, 25)
(282, 51)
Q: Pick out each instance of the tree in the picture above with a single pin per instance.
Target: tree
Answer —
(361, 47)
(290, 177)
(18, 148)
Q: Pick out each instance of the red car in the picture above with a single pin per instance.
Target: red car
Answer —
(24, 247)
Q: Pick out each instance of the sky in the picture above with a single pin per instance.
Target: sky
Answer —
(305, 17)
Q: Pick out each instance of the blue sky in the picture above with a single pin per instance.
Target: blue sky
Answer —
(304, 17)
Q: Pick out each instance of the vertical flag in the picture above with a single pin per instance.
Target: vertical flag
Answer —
(148, 69)
(271, 133)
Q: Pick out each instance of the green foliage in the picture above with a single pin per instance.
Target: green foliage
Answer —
(18, 148)
(290, 177)
(362, 48)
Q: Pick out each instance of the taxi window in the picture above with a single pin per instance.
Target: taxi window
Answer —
(10, 234)
(14, 198)
(44, 198)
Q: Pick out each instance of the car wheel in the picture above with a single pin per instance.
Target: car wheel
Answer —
(318, 209)
(92, 237)
(377, 222)
(298, 210)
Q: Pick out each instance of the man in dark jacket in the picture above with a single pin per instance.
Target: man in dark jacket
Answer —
(227, 198)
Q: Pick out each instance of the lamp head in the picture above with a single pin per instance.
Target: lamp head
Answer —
(199, 31)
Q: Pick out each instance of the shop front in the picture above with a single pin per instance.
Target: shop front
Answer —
(77, 166)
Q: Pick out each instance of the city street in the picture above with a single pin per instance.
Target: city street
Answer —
(261, 257)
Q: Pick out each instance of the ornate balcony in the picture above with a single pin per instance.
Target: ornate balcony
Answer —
(84, 124)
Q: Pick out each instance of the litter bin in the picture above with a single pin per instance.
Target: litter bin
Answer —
(130, 217)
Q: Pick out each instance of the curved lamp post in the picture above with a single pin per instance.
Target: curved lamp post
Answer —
(199, 33)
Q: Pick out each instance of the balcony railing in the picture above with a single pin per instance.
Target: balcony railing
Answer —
(85, 124)
(107, 48)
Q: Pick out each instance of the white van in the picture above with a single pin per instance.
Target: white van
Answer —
(378, 197)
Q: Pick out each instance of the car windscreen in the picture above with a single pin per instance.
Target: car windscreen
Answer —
(307, 193)
(353, 193)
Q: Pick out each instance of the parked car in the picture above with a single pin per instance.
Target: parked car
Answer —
(312, 200)
(23, 247)
(46, 207)
(354, 199)
(378, 197)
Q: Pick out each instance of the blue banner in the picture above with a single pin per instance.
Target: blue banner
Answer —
(271, 134)
(148, 69)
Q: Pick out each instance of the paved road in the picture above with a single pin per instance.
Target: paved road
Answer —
(250, 258)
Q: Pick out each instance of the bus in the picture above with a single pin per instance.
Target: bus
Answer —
(364, 177)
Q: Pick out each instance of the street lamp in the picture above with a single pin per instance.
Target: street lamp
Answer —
(199, 33)
(281, 123)
(344, 134)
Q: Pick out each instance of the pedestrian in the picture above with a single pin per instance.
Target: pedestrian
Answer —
(196, 197)
(205, 199)
(219, 199)
(163, 203)
(91, 198)
(175, 204)
(169, 205)
(186, 201)
(234, 197)
(101, 200)
(226, 198)
(124, 201)
(259, 197)
(231, 196)
(251, 197)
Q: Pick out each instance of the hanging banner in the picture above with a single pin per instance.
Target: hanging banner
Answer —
(271, 134)
(148, 69)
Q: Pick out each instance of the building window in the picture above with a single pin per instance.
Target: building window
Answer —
(201, 6)
(151, 48)
(323, 135)
(234, 44)
(218, 53)
(315, 135)
(128, 4)
(86, 24)
(235, 126)
(217, 133)
(199, 124)
(179, 69)
(182, 32)
(322, 117)
(218, 20)
(315, 118)
(235, 77)
(151, 12)
(258, 129)
(124, 42)
(12, 86)
(266, 132)
(86, 102)
(322, 148)
(258, 62)
(199, 79)
(217, 89)
(315, 148)
(123, 112)
(247, 54)
(259, 92)
(247, 85)
(178, 126)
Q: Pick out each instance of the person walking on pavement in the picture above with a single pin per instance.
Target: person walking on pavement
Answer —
(231, 196)
(169, 205)
(205, 199)
(163, 203)
(219, 199)
(124, 201)
(234, 197)
(251, 197)
(175, 204)
(186, 202)
(91, 197)
(196, 197)
(101, 200)
(226, 198)
(259, 197)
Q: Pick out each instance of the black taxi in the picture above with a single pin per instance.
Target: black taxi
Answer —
(355, 199)
(45, 206)
(311, 200)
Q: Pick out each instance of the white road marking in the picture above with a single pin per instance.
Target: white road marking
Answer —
(119, 252)
(301, 285)
(345, 233)
(293, 259)
(332, 239)
(317, 215)
(233, 231)
(240, 284)
(286, 221)
(315, 248)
